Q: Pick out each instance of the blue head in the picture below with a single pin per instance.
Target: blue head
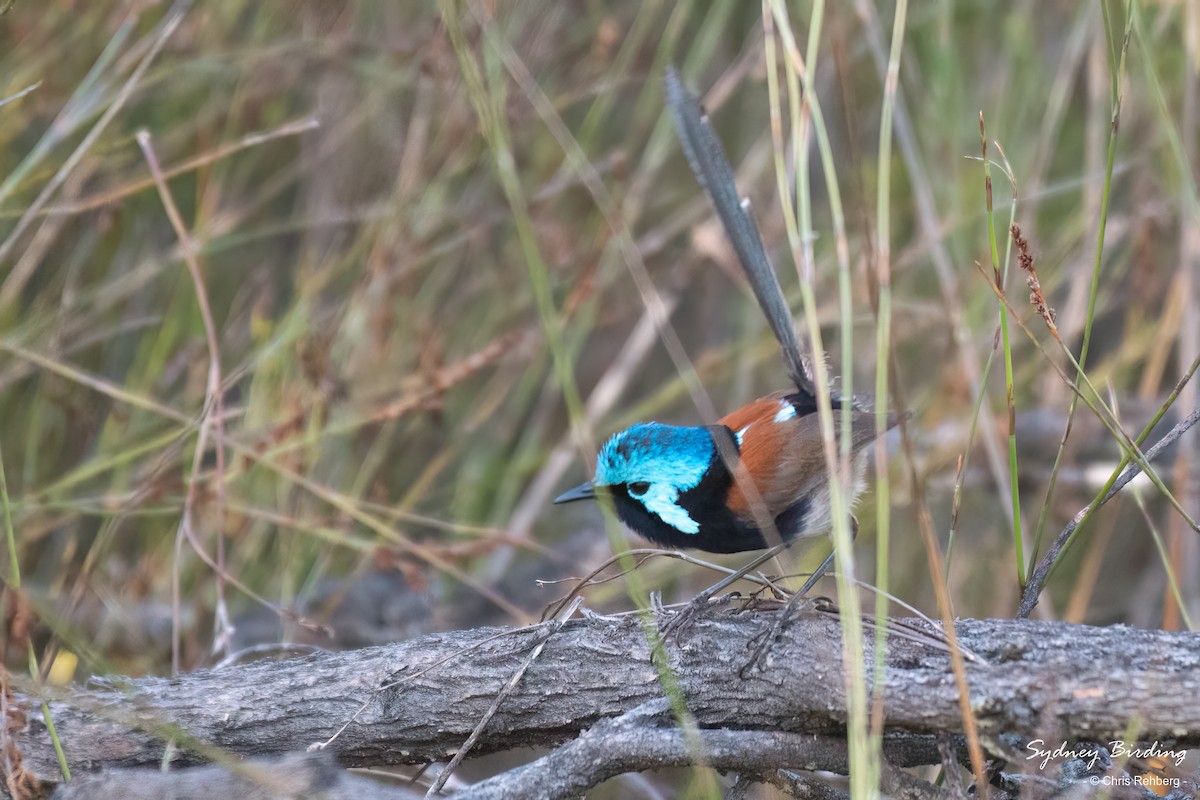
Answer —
(646, 468)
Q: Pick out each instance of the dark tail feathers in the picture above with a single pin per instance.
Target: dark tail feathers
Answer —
(712, 169)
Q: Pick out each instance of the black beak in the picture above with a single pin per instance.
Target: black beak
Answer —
(584, 491)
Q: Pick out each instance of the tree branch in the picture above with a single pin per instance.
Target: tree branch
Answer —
(646, 738)
(419, 700)
(304, 775)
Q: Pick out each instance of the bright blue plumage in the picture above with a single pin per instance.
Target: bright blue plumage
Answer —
(657, 463)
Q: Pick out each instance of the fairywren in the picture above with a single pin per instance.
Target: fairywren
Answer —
(723, 487)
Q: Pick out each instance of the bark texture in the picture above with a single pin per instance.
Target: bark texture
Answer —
(417, 701)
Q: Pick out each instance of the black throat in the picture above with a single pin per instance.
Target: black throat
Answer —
(721, 531)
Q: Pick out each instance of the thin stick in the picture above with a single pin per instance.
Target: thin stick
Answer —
(591, 580)
(704, 596)
(293, 128)
(505, 692)
(31, 87)
(1034, 588)
(212, 402)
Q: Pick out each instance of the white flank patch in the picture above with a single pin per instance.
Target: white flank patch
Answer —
(786, 411)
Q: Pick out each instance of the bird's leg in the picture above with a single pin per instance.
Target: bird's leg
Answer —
(789, 607)
(816, 575)
(698, 603)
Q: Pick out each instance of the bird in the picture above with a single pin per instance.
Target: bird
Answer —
(758, 477)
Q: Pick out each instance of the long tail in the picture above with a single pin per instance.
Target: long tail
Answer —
(712, 169)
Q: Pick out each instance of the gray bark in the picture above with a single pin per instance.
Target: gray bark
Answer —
(296, 776)
(1033, 679)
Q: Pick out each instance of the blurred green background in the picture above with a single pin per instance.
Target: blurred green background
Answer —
(392, 428)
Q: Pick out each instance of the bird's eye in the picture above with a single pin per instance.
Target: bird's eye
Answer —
(639, 488)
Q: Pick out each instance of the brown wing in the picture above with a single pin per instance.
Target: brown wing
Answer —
(782, 452)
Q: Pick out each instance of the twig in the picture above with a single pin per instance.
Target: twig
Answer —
(1033, 589)
(1097, 406)
(646, 553)
(293, 128)
(212, 403)
(505, 692)
(11, 98)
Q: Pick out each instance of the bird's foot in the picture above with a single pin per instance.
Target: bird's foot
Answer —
(764, 641)
(767, 640)
(692, 611)
(700, 602)
(596, 616)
